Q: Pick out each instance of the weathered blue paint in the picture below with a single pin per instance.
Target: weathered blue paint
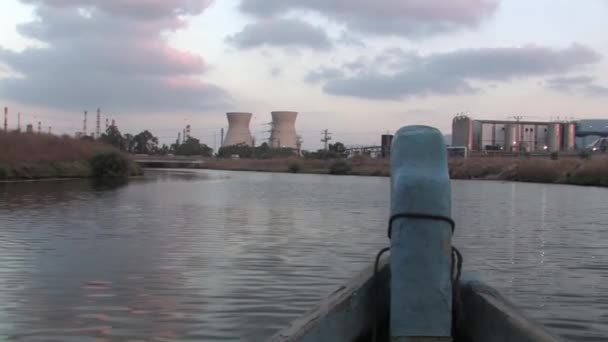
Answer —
(421, 290)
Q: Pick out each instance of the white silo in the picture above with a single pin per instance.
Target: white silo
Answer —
(238, 129)
(283, 133)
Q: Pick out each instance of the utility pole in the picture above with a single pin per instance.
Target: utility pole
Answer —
(5, 119)
(299, 142)
(222, 137)
(215, 141)
(179, 138)
(98, 125)
(84, 124)
(252, 147)
(326, 138)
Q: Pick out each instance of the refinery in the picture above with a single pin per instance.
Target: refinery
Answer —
(527, 136)
(468, 134)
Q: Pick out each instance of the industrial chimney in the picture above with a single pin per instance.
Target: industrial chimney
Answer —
(238, 129)
(283, 132)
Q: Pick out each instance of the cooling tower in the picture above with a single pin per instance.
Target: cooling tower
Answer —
(238, 129)
(283, 132)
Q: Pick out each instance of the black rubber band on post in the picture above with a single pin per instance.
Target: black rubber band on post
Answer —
(419, 216)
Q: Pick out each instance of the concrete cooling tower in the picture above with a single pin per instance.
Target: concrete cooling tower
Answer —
(238, 129)
(283, 132)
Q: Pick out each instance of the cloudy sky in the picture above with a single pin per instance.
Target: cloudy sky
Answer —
(356, 67)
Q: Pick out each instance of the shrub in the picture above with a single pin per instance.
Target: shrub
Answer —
(339, 168)
(295, 167)
(4, 171)
(584, 154)
(554, 156)
(109, 164)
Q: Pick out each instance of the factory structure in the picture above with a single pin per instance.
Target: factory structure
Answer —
(526, 136)
(282, 130)
(238, 129)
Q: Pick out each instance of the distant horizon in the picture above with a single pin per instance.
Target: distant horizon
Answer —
(358, 70)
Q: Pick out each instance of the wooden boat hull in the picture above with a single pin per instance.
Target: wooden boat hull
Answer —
(348, 314)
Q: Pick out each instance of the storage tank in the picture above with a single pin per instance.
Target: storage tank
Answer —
(386, 141)
(511, 137)
(283, 133)
(238, 129)
(554, 137)
(569, 142)
(462, 132)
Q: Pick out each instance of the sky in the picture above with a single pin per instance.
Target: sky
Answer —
(355, 67)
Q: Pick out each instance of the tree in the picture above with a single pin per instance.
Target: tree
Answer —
(164, 150)
(193, 147)
(113, 137)
(144, 143)
(128, 142)
(338, 147)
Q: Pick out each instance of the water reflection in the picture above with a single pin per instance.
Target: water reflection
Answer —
(207, 255)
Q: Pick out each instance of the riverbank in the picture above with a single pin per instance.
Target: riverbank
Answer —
(43, 156)
(571, 170)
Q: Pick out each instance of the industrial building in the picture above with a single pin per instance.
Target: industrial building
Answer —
(283, 132)
(238, 129)
(525, 136)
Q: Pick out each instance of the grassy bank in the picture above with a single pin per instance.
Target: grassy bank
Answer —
(571, 170)
(41, 156)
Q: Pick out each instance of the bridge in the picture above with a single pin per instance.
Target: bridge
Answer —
(168, 161)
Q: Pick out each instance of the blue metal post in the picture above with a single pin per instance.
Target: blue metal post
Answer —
(421, 289)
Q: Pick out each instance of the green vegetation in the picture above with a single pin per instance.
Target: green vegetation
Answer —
(193, 147)
(567, 170)
(340, 167)
(264, 151)
(146, 143)
(40, 156)
(109, 164)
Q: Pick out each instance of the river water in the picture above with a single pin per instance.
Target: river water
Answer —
(235, 256)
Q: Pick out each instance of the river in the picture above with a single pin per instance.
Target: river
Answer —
(235, 256)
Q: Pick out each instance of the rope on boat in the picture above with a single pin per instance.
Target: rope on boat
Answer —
(457, 261)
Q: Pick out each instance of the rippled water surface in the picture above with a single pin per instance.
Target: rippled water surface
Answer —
(211, 255)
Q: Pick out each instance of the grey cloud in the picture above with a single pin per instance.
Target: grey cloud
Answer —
(349, 39)
(577, 85)
(323, 74)
(110, 57)
(410, 18)
(144, 10)
(281, 33)
(398, 74)
(275, 71)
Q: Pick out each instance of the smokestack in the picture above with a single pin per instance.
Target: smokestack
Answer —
(18, 122)
(188, 131)
(113, 123)
(222, 137)
(179, 138)
(107, 123)
(84, 124)
(39, 127)
(50, 130)
(98, 126)
(6, 119)
(184, 136)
